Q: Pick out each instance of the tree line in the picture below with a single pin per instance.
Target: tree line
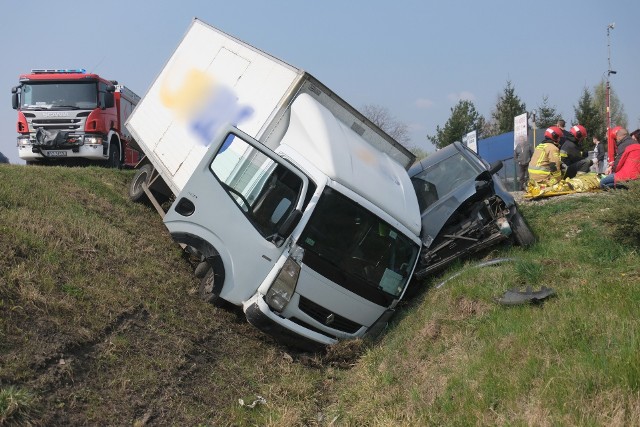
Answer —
(590, 111)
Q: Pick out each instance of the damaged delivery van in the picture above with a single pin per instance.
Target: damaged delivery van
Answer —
(301, 207)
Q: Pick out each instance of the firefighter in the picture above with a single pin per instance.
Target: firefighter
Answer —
(573, 158)
(545, 162)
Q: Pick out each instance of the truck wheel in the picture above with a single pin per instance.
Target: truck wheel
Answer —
(211, 283)
(136, 192)
(522, 234)
(114, 155)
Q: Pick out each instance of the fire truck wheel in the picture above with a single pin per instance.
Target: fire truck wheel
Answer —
(136, 192)
(114, 155)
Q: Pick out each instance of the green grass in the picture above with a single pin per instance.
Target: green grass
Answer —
(100, 324)
(456, 357)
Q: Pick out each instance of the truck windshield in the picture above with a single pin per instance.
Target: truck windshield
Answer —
(356, 249)
(80, 95)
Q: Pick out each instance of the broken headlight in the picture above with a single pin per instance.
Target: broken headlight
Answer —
(281, 291)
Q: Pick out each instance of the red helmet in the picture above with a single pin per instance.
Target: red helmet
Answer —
(579, 132)
(613, 131)
(553, 133)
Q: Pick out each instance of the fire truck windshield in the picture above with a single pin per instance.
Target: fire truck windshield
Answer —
(59, 95)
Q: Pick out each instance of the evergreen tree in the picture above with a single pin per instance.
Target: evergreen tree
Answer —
(590, 117)
(464, 119)
(547, 114)
(508, 106)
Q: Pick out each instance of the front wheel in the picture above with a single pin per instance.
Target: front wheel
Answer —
(521, 232)
(212, 282)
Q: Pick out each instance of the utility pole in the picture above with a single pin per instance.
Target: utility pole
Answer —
(610, 144)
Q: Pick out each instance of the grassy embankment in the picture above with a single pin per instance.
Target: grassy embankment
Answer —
(100, 324)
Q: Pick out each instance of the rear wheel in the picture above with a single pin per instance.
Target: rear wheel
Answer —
(521, 232)
(142, 176)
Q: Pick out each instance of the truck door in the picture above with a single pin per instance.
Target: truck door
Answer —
(243, 200)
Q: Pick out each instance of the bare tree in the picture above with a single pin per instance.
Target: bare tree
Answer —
(381, 117)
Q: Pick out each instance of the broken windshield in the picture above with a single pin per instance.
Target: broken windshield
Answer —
(441, 178)
(71, 95)
(358, 246)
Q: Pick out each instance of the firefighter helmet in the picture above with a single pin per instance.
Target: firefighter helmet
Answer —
(579, 132)
(612, 133)
(553, 133)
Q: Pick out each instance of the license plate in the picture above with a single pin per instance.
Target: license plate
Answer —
(59, 153)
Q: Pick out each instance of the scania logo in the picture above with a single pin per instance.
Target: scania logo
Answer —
(55, 114)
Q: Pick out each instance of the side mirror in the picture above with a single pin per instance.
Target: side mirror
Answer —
(495, 167)
(14, 101)
(109, 100)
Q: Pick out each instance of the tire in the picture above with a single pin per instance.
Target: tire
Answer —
(201, 269)
(136, 192)
(114, 155)
(212, 282)
(522, 234)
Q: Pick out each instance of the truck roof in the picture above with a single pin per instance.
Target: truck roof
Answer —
(46, 74)
(345, 157)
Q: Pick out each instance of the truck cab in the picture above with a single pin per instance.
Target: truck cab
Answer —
(316, 240)
(65, 115)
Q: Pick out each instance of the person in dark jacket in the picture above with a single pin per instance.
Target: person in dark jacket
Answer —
(572, 157)
(521, 156)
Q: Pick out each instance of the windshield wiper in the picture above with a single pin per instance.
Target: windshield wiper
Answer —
(65, 107)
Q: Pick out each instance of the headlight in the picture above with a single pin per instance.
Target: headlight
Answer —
(23, 140)
(93, 140)
(281, 291)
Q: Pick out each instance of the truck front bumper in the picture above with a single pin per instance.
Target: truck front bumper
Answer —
(260, 315)
(90, 152)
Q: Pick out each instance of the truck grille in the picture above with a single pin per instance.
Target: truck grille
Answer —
(57, 124)
(321, 314)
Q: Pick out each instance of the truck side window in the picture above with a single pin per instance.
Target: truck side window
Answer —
(264, 190)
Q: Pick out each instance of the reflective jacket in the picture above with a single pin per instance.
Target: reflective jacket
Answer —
(545, 161)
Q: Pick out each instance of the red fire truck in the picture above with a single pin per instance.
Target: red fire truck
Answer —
(70, 116)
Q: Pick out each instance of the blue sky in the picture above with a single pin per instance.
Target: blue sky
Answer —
(416, 58)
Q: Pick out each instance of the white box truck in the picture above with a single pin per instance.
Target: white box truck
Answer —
(301, 207)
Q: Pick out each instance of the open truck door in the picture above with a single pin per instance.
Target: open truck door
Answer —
(238, 209)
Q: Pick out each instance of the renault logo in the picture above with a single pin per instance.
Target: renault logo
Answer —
(329, 320)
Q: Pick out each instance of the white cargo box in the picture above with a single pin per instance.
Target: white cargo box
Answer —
(213, 79)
